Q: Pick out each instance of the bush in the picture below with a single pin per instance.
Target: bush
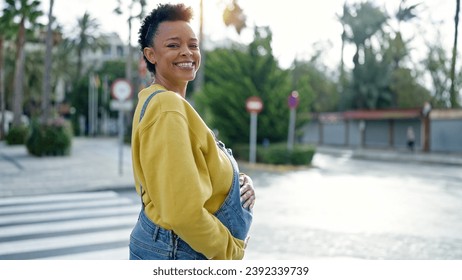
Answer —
(302, 155)
(17, 135)
(53, 138)
(277, 154)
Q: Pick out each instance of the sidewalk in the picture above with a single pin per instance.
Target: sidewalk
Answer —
(94, 165)
(394, 155)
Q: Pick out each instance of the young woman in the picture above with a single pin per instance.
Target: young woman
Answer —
(195, 203)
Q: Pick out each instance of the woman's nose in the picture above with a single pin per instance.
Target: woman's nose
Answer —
(186, 51)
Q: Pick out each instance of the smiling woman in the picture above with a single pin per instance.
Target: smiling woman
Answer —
(174, 56)
(195, 203)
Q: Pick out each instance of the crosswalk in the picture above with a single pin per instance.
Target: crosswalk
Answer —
(73, 226)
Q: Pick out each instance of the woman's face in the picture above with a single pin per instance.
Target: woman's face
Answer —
(175, 53)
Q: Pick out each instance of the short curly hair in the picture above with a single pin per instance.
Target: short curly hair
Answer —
(150, 24)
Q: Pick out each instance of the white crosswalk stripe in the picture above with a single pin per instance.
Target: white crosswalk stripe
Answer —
(91, 225)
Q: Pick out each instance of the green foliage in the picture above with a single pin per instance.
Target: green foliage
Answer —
(380, 78)
(438, 64)
(78, 97)
(53, 138)
(408, 92)
(317, 90)
(370, 86)
(362, 21)
(24, 15)
(233, 75)
(277, 154)
(86, 38)
(17, 135)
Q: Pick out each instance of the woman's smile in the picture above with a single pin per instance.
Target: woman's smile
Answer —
(187, 65)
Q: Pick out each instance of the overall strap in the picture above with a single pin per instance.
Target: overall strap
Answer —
(147, 102)
(143, 110)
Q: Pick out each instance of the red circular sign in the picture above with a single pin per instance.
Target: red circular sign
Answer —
(254, 104)
(121, 89)
(293, 99)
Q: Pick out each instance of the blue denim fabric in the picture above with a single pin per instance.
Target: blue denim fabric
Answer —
(231, 213)
(150, 241)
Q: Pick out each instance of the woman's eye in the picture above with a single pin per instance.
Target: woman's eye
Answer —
(194, 46)
(172, 45)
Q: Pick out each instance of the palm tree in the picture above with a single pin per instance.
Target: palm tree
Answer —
(27, 12)
(361, 23)
(398, 50)
(47, 72)
(453, 93)
(6, 34)
(88, 38)
(131, 16)
(404, 14)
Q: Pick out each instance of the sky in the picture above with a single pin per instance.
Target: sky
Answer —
(298, 26)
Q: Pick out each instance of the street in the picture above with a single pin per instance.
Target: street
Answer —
(341, 208)
(349, 208)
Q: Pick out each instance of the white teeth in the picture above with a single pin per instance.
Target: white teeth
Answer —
(185, 64)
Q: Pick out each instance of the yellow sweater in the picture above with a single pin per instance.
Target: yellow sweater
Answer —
(184, 175)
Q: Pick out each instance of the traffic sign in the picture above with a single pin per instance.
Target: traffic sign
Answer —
(293, 99)
(254, 104)
(121, 89)
(126, 105)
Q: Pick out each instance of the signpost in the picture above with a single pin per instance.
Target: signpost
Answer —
(254, 106)
(121, 90)
(293, 104)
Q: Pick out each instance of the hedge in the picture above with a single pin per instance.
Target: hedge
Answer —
(277, 154)
(52, 138)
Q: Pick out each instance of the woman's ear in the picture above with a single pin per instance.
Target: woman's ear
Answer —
(150, 54)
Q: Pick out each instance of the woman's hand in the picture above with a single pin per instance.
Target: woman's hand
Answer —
(247, 191)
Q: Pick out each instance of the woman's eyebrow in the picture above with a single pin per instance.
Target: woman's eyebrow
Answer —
(179, 39)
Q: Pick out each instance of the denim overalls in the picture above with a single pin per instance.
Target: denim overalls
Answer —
(150, 241)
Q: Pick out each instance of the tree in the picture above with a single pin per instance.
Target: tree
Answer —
(234, 74)
(453, 93)
(370, 87)
(131, 16)
(26, 12)
(438, 66)
(397, 43)
(362, 21)
(371, 75)
(6, 34)
(409, 93)
(312, 78)
(48, 60)
(87, 38)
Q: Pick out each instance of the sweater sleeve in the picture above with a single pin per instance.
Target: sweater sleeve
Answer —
(178, 184)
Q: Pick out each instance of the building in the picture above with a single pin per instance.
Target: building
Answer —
(437, 131)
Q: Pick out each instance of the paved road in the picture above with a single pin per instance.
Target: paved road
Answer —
(349, 208)
(85, 225)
